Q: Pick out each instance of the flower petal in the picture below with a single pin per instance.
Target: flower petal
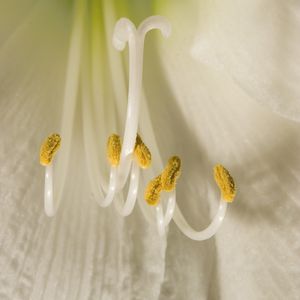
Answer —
(255, 43)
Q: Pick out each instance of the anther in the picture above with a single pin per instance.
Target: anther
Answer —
(49, 148)
(171, 173)
(142, 153)
(114, 149)
(153, 190)
(225, 182)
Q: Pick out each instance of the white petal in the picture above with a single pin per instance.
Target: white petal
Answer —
(256, 43)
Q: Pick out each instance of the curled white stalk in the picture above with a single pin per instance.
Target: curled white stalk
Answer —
(124, 32)
(162, 228)
(112, 188)
(206, 233)
(50, 208)
(126, 208)
(71, 83)
(163, 218)
(70, 94)
(173, 212)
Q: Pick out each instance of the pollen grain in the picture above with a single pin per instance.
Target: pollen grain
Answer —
(142, 153)
(225, 183)
(153, 190)
(114, 149)
(49, 148)
(171, 173)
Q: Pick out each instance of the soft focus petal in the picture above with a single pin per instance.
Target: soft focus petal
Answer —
(256, 43)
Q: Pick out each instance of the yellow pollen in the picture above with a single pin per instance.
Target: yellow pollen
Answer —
(142, 153)
(49, 148)
(153, 190)
(114, 149)
(171, 173)
(225, 182)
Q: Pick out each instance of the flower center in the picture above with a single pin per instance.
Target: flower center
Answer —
(133, 154)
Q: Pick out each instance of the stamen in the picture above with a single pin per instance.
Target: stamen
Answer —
(49, 148)
(171, 173)
(114, 149)
(142, 153)
(153, 190)
(225, 182)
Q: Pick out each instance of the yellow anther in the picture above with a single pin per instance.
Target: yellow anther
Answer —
(153, 190)
(142, 153)
(225, 182)
(114, 149)
(49, 148)
(171, 173)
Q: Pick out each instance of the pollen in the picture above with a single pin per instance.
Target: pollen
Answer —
(153, 190)
(142, 153)
(171, 173)
(225, 182)
(49, 148)
(114, 149)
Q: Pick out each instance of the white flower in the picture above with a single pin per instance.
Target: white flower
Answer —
(199, 92)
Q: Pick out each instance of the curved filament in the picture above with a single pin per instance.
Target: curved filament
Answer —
(206, 233)
(112, 188)
(160, 220)
(163, 219)
(49, 206)
(126, 208)
(170, 208)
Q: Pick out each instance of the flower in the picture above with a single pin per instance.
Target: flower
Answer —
(198, 101)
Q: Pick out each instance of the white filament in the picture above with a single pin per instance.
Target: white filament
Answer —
(163, 219)
(160, 220)
(70, 93)
(170, 208)
(112, 188)
(49, 206)
(207, 232)
(126, 208)
(173, 212)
